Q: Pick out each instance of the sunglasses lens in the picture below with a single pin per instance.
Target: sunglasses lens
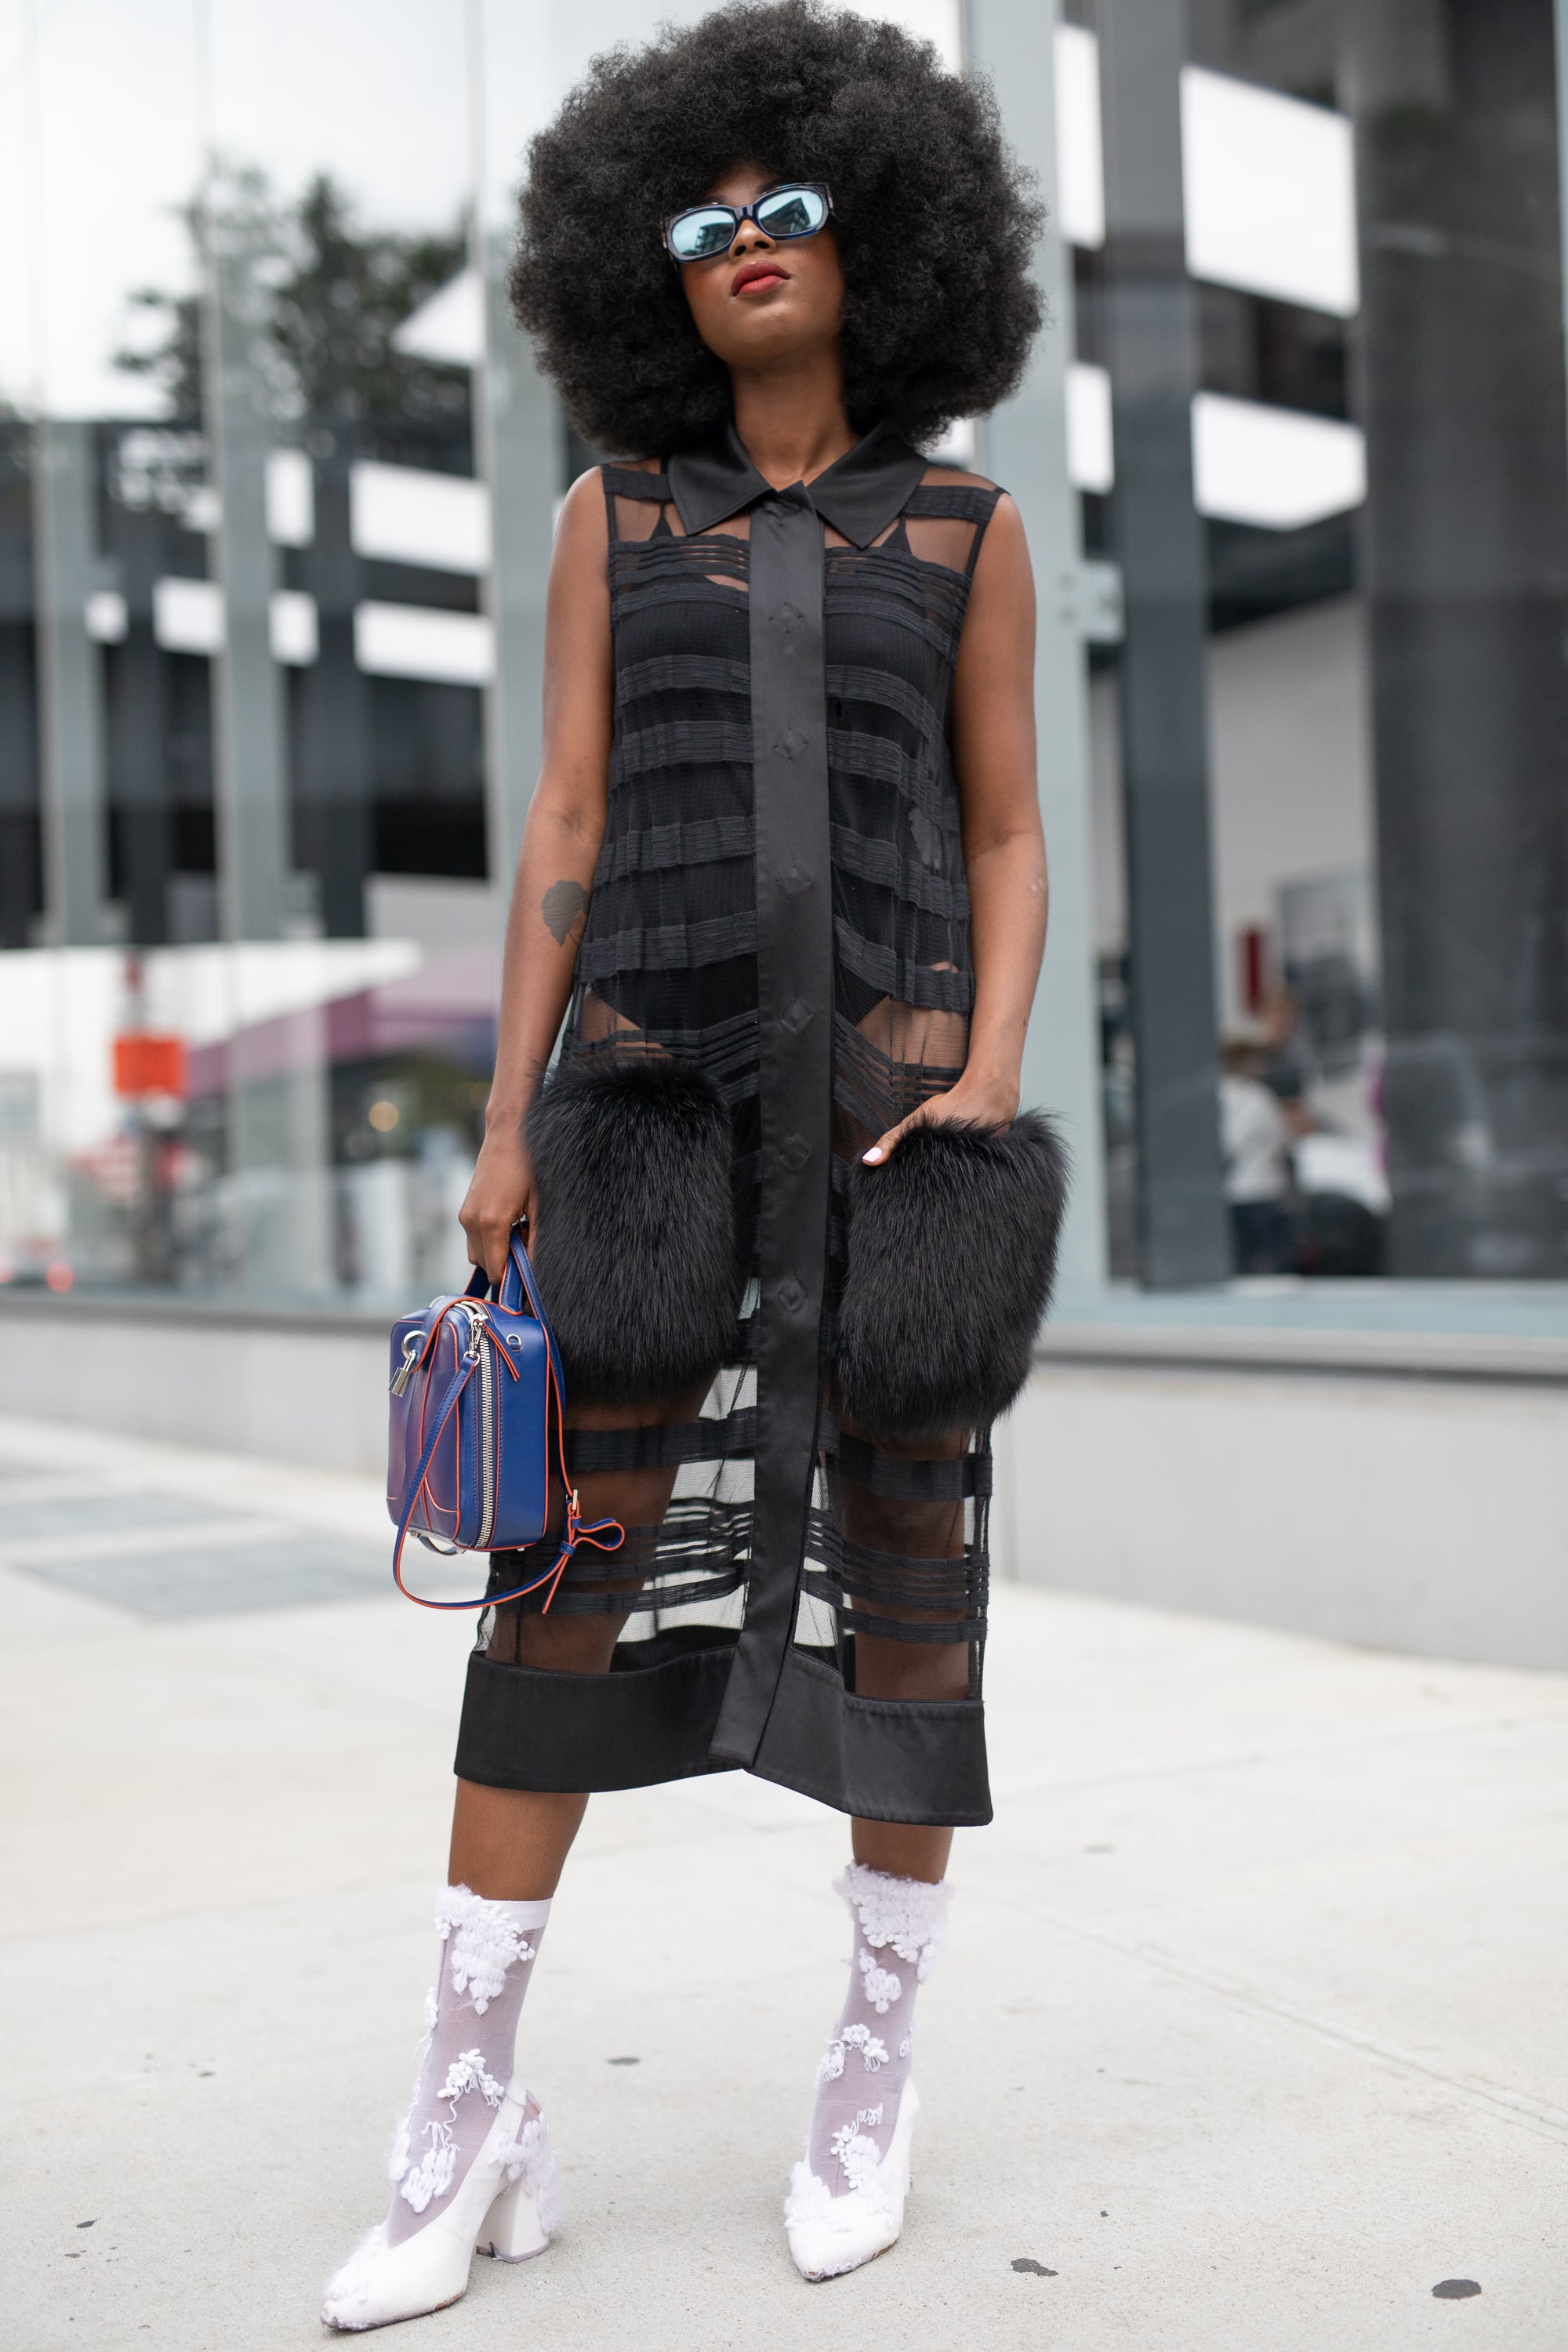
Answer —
(792, 211)
(696, 235)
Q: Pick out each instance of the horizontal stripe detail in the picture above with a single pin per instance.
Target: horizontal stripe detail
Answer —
(959, 505)
(939, 637)
(682, 743)
(896, 976)
(669, 946)
(657, 1445)
(913, 1481)
(700, 841)
(628, 483)
(683, 674)
(890, 866)
(903, 1629)
(884, 689)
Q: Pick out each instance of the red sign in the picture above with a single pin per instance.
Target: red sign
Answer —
(146, 1064)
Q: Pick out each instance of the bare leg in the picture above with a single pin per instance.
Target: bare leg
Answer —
(511, 1844)
(902, 1849)
(890, 1669)
(886, 1668)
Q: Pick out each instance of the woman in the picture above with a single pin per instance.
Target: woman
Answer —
(783, 875)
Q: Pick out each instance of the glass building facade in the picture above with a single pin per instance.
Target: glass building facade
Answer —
(277, 487)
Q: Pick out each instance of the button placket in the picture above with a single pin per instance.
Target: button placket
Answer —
(795, 981)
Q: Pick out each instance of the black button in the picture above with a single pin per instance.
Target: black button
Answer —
(796, 880)
(796, 1017)
(790, 1296)
(794, 1151)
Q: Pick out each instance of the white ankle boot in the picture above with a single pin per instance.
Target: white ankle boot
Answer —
(472, 2166)
(828, 2234)
(846, 2196)
(505, 2205)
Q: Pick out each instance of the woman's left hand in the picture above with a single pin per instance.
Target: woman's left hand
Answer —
(974, 1101)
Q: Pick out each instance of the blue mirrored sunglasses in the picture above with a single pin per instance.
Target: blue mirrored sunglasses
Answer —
(798, 209)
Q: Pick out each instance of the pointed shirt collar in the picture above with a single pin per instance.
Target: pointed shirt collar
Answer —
(859, 494)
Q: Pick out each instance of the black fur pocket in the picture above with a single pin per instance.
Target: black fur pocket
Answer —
(636, 1245)
(953, 1249)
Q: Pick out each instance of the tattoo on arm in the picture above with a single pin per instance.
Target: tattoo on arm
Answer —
(563, 904)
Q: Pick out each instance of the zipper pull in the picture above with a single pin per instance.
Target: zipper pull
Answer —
(405, 1372)
(477, 1319)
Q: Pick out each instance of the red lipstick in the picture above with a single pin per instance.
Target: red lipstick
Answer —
(759, 274)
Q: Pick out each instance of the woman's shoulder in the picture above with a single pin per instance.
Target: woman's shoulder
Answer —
(634, 476)
(955, 491)
(951, 514)
(938, 476)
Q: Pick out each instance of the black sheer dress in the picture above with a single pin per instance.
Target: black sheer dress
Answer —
(779, 901)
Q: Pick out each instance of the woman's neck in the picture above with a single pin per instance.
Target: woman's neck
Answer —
(790, 417)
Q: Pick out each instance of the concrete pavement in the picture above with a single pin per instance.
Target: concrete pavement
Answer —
(1250, 2030)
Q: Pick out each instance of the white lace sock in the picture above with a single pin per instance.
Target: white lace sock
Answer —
(470, 2016)
(899, 1924)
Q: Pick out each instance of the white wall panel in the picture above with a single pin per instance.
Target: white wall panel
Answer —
(1269, 186)
(1080, 161)
(1276, 468)
(402, 514)
(415, 641)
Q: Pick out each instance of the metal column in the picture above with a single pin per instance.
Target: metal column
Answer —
(1026, 453)
(250, 789)
(137, 713)
(279, 1106)
(19, 897)
(517, 440)
(336, 812)
(71, 711)
(1151, 334)
(1560, 52)
(1463, 400)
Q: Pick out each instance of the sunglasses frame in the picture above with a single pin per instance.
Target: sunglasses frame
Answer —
(741, 214)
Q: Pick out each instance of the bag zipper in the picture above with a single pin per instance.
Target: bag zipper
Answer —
(476, 1350)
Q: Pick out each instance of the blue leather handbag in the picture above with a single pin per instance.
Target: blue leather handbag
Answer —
(477, 1403)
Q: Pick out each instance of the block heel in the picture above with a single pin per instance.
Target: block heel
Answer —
(513, 2229)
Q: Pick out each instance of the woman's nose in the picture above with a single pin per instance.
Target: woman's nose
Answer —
(749, 238)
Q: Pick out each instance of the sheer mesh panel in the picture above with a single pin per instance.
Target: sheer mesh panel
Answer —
(895, 1548)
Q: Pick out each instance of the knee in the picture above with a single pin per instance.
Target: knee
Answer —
(562, 1645)
(890, 1669)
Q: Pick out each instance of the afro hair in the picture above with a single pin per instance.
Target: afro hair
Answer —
(935, 221)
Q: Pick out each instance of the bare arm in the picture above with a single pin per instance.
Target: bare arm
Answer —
(1004, 849)
(555, 870)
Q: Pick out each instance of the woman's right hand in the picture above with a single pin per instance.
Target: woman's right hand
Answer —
(501, 1196)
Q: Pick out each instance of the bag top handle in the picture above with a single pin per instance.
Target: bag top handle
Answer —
(606, 1534)
(516, 1284)
(518, 1281)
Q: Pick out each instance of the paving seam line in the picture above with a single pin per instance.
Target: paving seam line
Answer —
(1226, 1760)
(330, 1515)
(138, 1543)
(1551, 2123)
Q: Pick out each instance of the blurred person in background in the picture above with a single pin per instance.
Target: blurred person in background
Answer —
(1255, 1142)
(783, 875)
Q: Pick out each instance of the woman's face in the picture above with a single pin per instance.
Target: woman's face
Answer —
(763, 304)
